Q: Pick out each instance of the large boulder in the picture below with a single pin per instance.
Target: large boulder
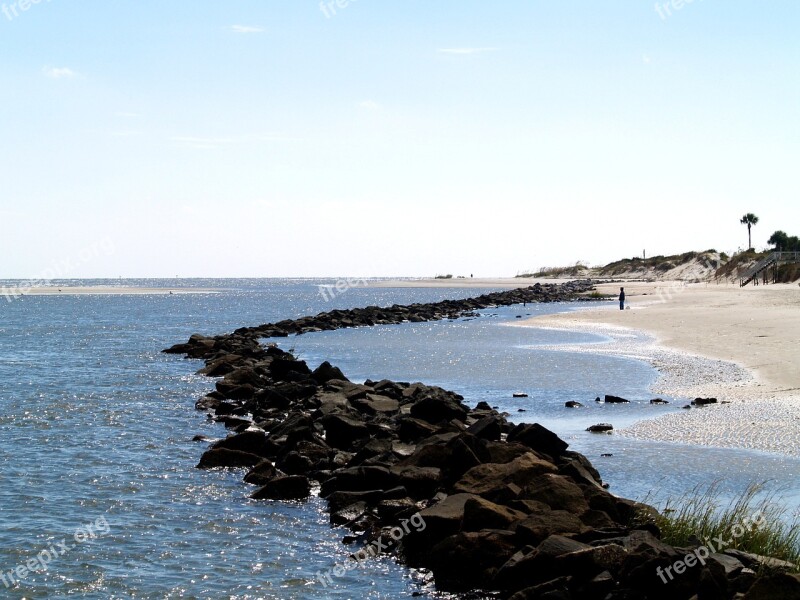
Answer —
(359, 479)
(520, 571)
(235, 391)
(375, 404)
(223, 457)
(421, 482)
(538, 438)
(779, 585)
(289, 369)
(290, 487)
(325, 372)
(489, 427)
(480, 513)
(469, 560)
(503, 452)
(558, 492)
(537, 527)
(445, 518)
(254, 442)
(410, 429)
(262, 473)
(343, 432)
(592, 560)
(438, 408)
(491, 480)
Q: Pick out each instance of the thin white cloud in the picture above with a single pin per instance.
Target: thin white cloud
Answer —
(128, 115)
(463, 51)
(646, 59)
(246, 29)
(369, 105)
(59, 72)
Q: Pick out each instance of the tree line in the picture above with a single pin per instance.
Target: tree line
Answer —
(783, 242)
(780, 241)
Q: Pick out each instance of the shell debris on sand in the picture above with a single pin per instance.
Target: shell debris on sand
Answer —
(750, 418)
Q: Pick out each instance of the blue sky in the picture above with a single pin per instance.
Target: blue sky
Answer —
(379, 137)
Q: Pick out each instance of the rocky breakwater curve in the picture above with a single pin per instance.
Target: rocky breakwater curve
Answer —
(414, 313)
(481, 503)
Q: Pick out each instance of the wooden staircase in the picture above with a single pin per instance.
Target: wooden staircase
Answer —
(772, 260)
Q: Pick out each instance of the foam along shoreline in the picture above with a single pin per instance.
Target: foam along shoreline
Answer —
(712, 341)
(98, 290)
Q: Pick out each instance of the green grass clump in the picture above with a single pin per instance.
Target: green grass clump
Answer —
(595, 295)
(755, 522)
(555, 272)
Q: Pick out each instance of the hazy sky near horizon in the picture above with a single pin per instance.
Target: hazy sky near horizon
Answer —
(380, 137)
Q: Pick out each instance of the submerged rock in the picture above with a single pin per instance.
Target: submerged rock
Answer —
(615, 400)
(600, 428)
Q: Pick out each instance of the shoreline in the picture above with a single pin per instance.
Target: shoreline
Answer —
(761, 412)
(412, 471)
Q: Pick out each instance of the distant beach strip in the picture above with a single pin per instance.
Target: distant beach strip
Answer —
(11, 293)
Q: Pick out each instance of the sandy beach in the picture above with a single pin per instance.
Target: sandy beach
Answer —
(736, 344)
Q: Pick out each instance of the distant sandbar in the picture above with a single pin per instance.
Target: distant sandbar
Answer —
(99, 290)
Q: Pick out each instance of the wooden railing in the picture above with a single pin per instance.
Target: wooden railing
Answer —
(775, 258)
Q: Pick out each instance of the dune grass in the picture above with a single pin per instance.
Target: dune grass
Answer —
(757, 521)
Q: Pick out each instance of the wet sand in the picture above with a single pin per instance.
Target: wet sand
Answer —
(736, 344)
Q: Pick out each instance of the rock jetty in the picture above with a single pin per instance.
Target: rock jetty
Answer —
(496, 507)
(414, 313)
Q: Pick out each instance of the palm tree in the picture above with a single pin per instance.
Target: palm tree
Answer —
(749, 219)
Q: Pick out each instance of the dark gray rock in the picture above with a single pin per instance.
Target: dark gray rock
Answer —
(703, 401)
(223, 457)
(343, 432)
(325, 372)
(491, 480)
(262, 473)
(609, 399)
(600, 428)
(290, 487)
(538, 438)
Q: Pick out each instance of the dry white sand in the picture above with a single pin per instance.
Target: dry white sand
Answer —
(739, 345)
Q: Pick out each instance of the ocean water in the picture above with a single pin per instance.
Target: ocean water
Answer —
(98, 477)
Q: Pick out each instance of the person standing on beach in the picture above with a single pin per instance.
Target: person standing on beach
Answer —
(622, 298)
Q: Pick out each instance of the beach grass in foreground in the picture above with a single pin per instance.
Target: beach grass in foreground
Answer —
(756, 521)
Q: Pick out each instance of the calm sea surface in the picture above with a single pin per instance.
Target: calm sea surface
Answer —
(97, 463)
